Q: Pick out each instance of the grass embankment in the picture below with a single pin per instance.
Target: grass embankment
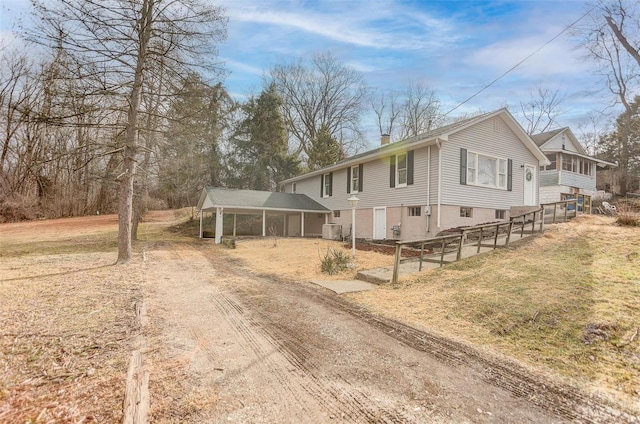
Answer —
(568, 302)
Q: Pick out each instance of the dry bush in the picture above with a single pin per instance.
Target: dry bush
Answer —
(628, 213)
(15, 208)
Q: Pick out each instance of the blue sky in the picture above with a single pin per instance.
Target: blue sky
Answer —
(454, 47)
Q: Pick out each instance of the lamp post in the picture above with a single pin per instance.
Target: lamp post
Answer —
(353, 202)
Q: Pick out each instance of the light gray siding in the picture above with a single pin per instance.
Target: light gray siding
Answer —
(375, 190)
(549, 178)
(578, 180)
(491, 137)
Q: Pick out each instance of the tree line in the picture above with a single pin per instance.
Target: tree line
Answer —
(120, 106)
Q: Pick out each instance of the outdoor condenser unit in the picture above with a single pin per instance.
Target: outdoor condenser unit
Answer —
(331, 231)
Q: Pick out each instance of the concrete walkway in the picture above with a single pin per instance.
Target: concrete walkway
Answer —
(346, 286)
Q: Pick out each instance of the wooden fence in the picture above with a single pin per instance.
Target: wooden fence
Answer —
(568, 208)
(455, 242)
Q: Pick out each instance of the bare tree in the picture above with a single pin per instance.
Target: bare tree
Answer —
(542, 110)
(611, 38)
(420, 110)
(125, 38)
(387, 109)
(411, 111)
(323, 93)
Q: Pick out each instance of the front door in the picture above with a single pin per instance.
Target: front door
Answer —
(530, 185)
(379, 223)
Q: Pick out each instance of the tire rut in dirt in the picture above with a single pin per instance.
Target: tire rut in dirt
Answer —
(332, 392)
(235, 315)
(562, 400)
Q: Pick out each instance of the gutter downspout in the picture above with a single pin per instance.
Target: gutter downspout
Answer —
(439, 180)
(428, 185)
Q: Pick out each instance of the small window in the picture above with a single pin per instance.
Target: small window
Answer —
(336, 214)
(552, 158)
(415, 211)
(355, 179)
(466, 212)
(326, 185)
(401, 170)
(501, 214)
(293, 188)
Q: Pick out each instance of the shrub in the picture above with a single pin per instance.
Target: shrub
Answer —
(628, 220)
(334, 261)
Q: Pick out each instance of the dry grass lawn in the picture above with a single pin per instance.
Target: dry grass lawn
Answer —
(301, 258)
(567, 303)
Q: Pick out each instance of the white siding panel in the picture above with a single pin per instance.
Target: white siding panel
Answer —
(491, 137)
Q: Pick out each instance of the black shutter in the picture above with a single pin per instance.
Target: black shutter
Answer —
(463, 166)
(330, 183)
(509, 175)
(410, 168)
(360, 178)
(348, 180)
(321, 186)
(392, 171)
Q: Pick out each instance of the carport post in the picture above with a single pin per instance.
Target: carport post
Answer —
(219, 218)
(301, 224)
(284, 225)
(234, 224)
(201, 212)
(264, 223)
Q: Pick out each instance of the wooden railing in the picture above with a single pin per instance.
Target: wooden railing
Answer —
(454, 242)
(569, 208)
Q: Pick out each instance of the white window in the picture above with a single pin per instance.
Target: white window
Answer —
(326, 185)
(486, 171)
(401, 170)
(336, 214)
(415, 211)
(466, 212)
(355, 179)
(501, 214)
(293, 187)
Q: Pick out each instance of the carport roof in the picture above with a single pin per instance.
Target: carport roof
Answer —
(217, 197)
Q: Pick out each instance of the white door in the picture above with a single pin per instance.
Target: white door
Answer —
(530, 185)
(379, 223)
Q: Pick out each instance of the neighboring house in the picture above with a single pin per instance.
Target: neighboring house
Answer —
(570, 171)
(466, 173)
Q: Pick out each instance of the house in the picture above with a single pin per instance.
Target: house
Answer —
(473, 171)
(570, 170)
(282, 214)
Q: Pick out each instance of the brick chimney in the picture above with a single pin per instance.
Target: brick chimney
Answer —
(384, 139)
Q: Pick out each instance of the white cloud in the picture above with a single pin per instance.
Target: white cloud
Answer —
(384, 25)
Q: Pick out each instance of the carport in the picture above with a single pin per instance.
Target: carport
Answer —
(299, 214)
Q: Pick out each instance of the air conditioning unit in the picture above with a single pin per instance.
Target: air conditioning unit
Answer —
(332, 231)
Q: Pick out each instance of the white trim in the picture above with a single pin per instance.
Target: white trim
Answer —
(256, 208)
(439, 183)
(301, 224)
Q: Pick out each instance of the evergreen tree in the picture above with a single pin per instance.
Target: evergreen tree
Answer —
(259, 158)
(324, 150)
(623, 146)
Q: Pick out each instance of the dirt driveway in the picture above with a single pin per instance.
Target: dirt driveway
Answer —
(257, 350)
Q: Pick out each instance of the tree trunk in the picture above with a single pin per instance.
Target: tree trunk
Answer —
(125, 204)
